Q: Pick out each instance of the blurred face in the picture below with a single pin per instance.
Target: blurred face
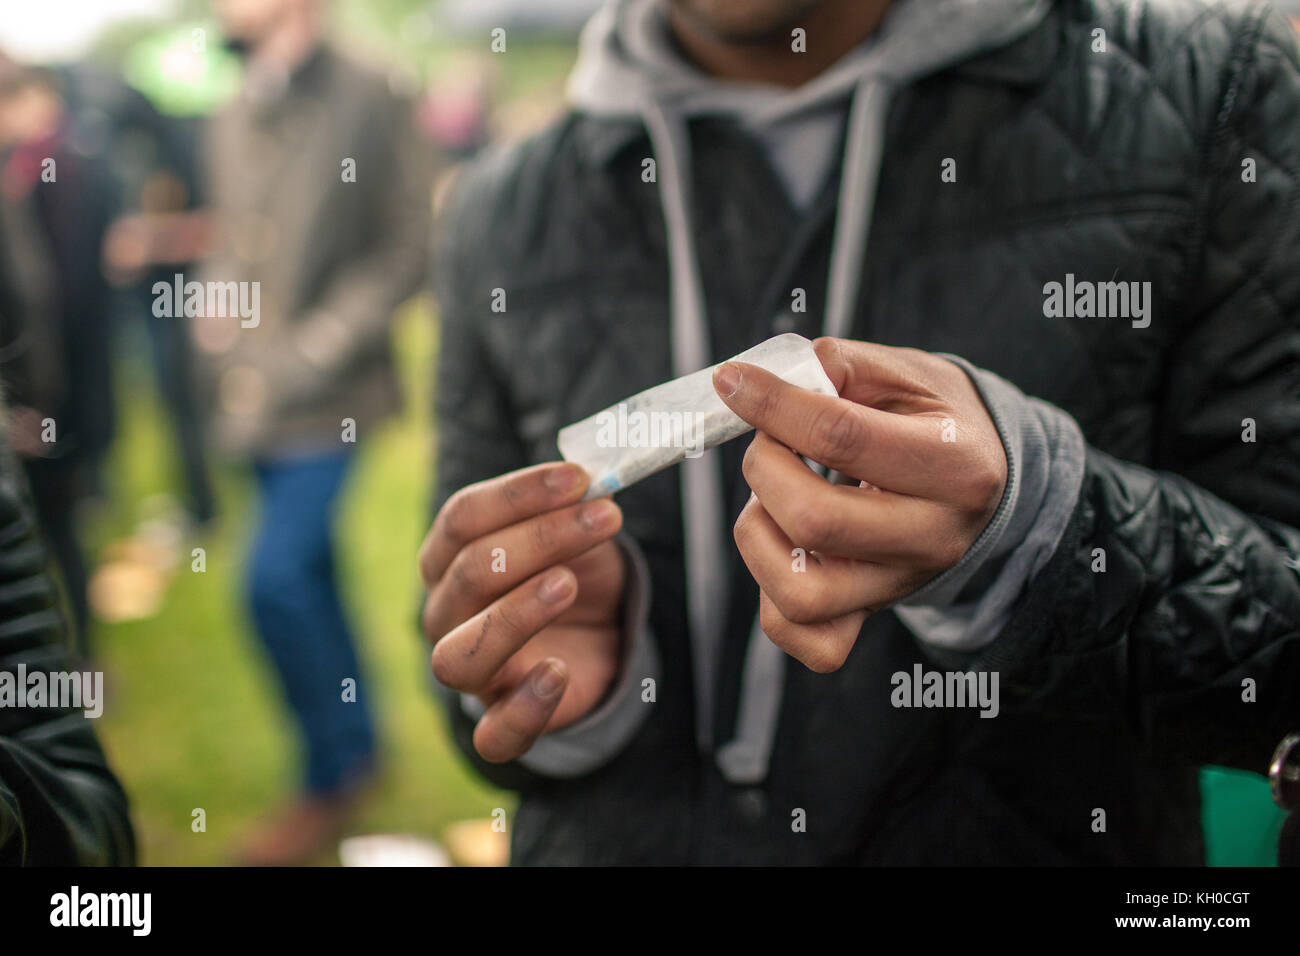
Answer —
(249, 22)
(31, 112)
(745, 21)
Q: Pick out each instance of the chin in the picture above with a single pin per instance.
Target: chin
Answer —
(746, 21)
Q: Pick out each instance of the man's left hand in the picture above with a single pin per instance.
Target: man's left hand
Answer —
(927, 472)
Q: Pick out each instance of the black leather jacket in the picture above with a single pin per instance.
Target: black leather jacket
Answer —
(60, 804)
(1117, 685)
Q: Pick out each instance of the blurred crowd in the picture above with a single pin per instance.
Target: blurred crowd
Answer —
(308, 197)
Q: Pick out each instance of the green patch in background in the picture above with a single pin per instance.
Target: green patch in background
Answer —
(183, 70)
(1241, 822)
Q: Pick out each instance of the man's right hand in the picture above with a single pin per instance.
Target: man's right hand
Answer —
(525, 602)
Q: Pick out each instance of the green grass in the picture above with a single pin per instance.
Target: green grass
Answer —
(193, 716)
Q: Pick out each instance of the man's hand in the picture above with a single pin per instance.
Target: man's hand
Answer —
(928, 472)
(525, 592)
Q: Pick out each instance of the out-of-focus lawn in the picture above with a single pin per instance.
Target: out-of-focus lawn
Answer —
(193, 716)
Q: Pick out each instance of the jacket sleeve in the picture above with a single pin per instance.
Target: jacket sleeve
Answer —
(60, 805)
(1174, 596)
(29, 340)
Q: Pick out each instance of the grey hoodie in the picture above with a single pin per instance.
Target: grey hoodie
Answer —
(628, 67)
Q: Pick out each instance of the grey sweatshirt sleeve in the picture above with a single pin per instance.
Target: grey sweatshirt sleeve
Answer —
(594, 740)
(966, 607)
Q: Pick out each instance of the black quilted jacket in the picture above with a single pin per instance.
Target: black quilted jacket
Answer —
(1172, 158)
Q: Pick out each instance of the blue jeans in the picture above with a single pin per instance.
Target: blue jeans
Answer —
(293, 593)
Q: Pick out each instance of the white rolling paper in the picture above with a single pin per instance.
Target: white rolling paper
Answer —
(681, 419)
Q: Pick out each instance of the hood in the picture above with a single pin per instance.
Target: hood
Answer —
(626, 56)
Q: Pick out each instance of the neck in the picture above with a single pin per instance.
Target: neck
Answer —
(831, 29)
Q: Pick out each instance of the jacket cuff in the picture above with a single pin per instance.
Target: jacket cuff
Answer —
(966, 607)
(582, 747)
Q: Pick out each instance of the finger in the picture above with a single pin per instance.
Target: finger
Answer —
(882, 376)
(897, 452)
(487, 568)
(969, 460)
(468, 657)
(486, 506)
(844, 520)
(513, 723)
(808, 587)
(821, 647)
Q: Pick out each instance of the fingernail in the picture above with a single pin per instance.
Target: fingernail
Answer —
(555, 586)
(549, 680)
(727, 379)
(598, 515)
(561, 480)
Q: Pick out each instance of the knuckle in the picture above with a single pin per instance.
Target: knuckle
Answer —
(765, 404)
(948, 553)
(749, 462)
(993, 478)
(743, 530)
(826, 656)
(515, 493)
(812, 527)
(838, 431)
(982, 483)
(541, 535)
(424, 561)
(455, 517)
(510, 618)
(464, 575)
(773, 624)
(953, 553)
(899, 589)
(431, 618)
(801, 602)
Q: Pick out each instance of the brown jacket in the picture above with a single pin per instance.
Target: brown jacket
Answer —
(322, 198)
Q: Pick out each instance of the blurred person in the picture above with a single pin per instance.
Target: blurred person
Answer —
(65, 194)
(62, 805)
(915, 182)
(320, 200)
(29, 343)
(455, 112)
(157, 230)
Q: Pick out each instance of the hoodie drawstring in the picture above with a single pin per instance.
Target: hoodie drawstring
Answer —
(745, 758)
(864, 146)
(702, 494)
